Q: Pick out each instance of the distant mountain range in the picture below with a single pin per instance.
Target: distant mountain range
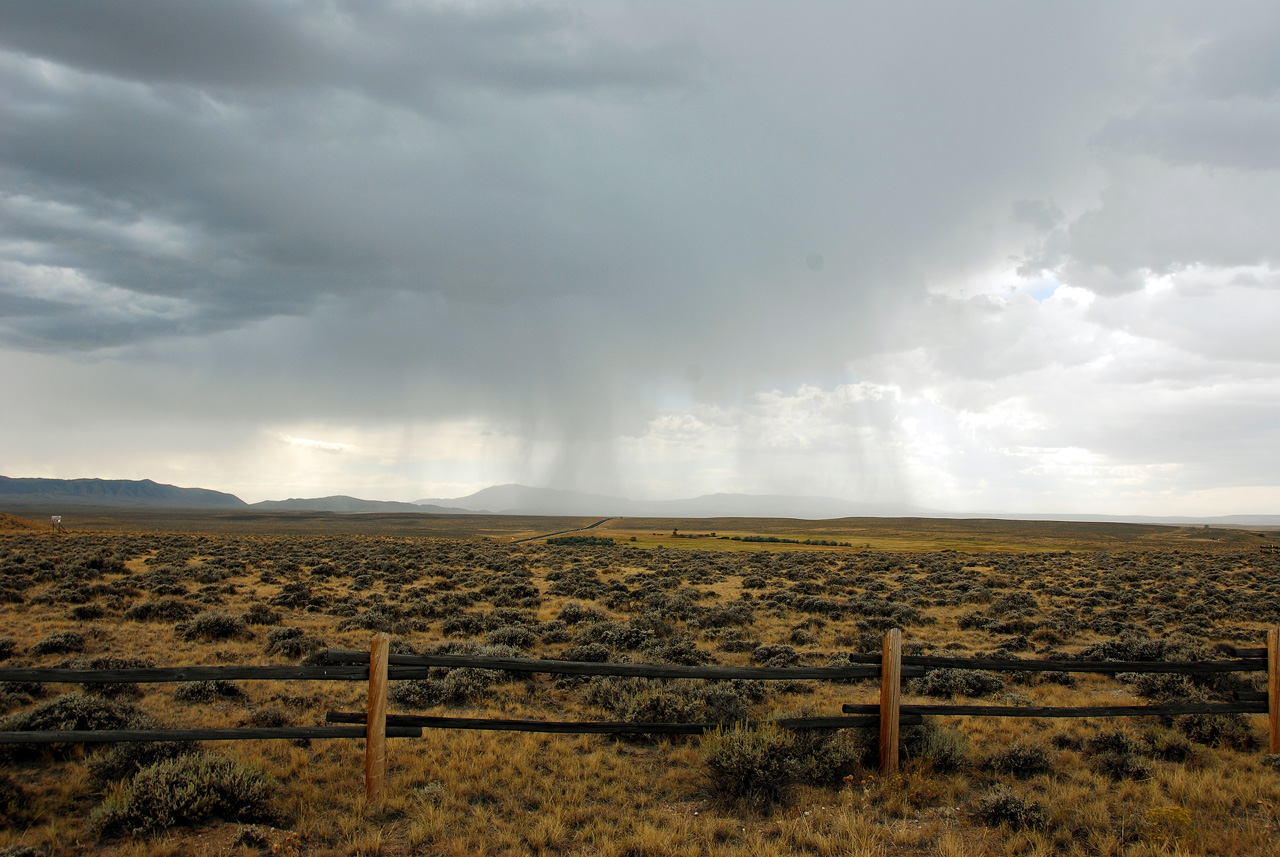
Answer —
(112, 492)
(523, 500)
(49, 494)
(145, 493)
(343, 503)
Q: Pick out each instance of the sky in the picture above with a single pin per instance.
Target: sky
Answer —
(977, 256)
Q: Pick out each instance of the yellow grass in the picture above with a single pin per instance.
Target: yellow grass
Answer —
(458, 792)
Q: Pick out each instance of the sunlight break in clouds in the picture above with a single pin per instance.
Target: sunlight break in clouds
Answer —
(324, 446)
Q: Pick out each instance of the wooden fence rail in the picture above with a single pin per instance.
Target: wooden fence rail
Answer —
(608, 728)
(1167, 710)
(145, 675)
(406, 663)
(862, 666)
(139, 736)
(378, 666)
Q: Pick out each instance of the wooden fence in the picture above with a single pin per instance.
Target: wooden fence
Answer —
(378, 666)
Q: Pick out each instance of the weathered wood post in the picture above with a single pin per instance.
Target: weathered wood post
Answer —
(375, 735)
(890, 700)
(1273, 687)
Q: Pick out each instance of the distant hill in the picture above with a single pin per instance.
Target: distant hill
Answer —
(40, 497)
(14, 524)
(1169, 520)
(112, 492)
(523, 500)
(353, 505)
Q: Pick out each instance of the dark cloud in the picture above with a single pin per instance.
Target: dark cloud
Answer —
(579, 229)
(388, 51)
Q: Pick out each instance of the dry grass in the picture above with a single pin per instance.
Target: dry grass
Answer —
(14, 524)
(455, 792)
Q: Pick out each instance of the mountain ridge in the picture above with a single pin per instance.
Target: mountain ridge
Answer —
(515, 499)
(114, 492)
(352, 505)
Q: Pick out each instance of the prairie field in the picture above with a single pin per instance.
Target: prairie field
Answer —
(211, 589)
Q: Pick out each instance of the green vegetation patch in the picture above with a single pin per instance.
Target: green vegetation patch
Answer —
(185, 791)
(779, 540)
(582, 541)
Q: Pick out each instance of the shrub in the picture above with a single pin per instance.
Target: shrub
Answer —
(1003, 806)
(615, 635)
(757, 764)
(722, 616)
(270, 717)
(554, 631)
(16, 694)
(637, 700)
(1112, 741)
(164, 610)
(823, 757)
(944, 748)
(1021, 761)
(615, 693)
(112, 662)
(1121, 766)
(469, 684)
(656, 704)
(185, 791)
(775, 655)
(419, 693)
(749, 765)
(729, 701)
(596, 653)
(581, 540)
(60, 643)
(574, 613)
(1160, 687)
(8, 645)
(1065, 679)
(199, 692)
(381, 617)
(292, 643)
(803, 637)
(86, 612)
(1019, 643)
(125, 760)
(463, 625)
(515, 636)
(214, 625)
(682, 651)
(71, 712)
(1217, 730)
(957, 682)
(77, 711)
(734, 640)
(261, 614)
(1167, 745)
(1115, 754)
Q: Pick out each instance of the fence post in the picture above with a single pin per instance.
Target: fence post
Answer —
(1273, 687)
(375, 735)
(890, 700)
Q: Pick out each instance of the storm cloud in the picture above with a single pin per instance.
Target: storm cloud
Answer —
(989, 256)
